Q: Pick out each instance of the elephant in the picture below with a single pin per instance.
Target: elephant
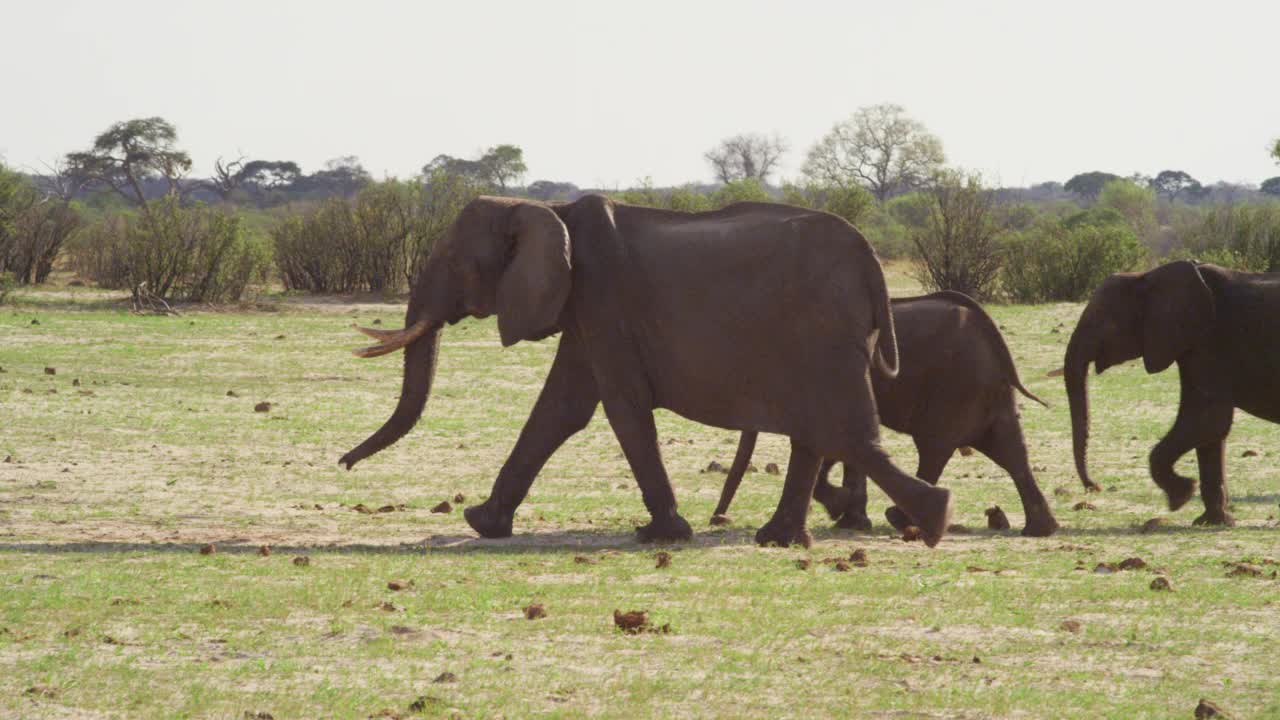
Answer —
(955, 389)
(645, 301)
(1221, 327)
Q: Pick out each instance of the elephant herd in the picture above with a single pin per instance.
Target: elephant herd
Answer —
(763, 317)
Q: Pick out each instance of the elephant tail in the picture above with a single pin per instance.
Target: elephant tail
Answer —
(886, 351)
(996, 338)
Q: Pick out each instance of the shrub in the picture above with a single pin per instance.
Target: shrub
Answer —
(7, 284)
(853, 203)
(1136, 204)
(1240, 236)
(374, 242)
(748, 190)
(1065, 260)
(958, 246)
(35, 239)
(196, 254)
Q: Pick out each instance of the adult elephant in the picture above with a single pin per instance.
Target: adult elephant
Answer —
(1221, 327)
(956, 388)
(646, 302)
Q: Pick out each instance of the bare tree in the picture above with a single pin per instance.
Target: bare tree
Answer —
(750, 156)
(879, 147)
(958, 248)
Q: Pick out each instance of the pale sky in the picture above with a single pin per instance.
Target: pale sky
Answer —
(604, 94)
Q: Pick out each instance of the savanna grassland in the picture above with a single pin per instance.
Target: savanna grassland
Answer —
(112, 485)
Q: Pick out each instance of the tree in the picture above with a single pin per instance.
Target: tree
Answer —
(499, 168)
(1137, 205)
(342, 176)
(751, 156)
(129, 153)
(1271, 186)
(254, 175)
(1088, 185)
(1171, 183)
(1275, 150)
(879, 147)
(552, 190)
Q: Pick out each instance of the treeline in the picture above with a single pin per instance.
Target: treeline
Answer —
(124, 215)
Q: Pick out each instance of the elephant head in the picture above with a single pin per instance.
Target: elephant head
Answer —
(1158, 316)
(501, 255)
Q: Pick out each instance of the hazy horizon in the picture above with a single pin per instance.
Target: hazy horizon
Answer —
(605, 95)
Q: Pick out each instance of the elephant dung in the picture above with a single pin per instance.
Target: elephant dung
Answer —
(1084, 505)
(535, 611)
(1207, 710)
(632, 622)
(50, 371)
(1161, 584)
(1072, 626)
(772, 469)
(996, 519)
(443, 507)
(1152, 525)
(663, 559)
(1133, 563)
(911, 533)
(302, 561)
(208, 549)
(262, 407)
(858, 557)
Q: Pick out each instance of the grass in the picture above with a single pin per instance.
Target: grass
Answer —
(107, 609)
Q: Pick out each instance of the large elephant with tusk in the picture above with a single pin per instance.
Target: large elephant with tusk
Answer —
(1221, 327)
(646, 302)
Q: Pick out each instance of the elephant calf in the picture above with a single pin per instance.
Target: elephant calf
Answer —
(1221, 327)
(955, 388)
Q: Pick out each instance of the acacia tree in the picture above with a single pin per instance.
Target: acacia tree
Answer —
(750, 156)
(250, 175)
(1172, 183)
(1088, 185)
(129, 153)
(879, 147)
(500, 167)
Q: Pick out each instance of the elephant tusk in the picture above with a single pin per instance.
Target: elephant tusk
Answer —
(390, 340)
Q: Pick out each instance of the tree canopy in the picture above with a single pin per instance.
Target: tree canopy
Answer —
(1088, 185)
(879, 147)
(131, 152)
(750, 156)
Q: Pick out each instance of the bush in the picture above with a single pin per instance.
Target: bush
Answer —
(7, 284)
(374, 242)
(1246, 237)
(1065, 260)
(854, 203)
(958, 246)
(1136, 204)
(35, 239)
(196, 254)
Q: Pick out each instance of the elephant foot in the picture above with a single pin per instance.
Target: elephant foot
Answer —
(1179, 490)
(1215, 517)
(1040, 526)
(488, 522)
(665, 530)
(854, 521)
(896, 518)
(932, 514)
(776, 533)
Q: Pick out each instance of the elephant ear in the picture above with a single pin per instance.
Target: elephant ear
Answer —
(1178, 311)
(535, 284)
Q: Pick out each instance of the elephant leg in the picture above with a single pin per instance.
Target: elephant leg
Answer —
(746, 446)
(787, 526)
(831, 498)
(1199, 422)
(1213, 484)
(567, 401)
(929, 507)
(1004, 444)
(854, 516)
(934, 456)
(633, 426)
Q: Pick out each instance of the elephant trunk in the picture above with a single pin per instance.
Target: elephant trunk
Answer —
(421, 343)
(1080, 352)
